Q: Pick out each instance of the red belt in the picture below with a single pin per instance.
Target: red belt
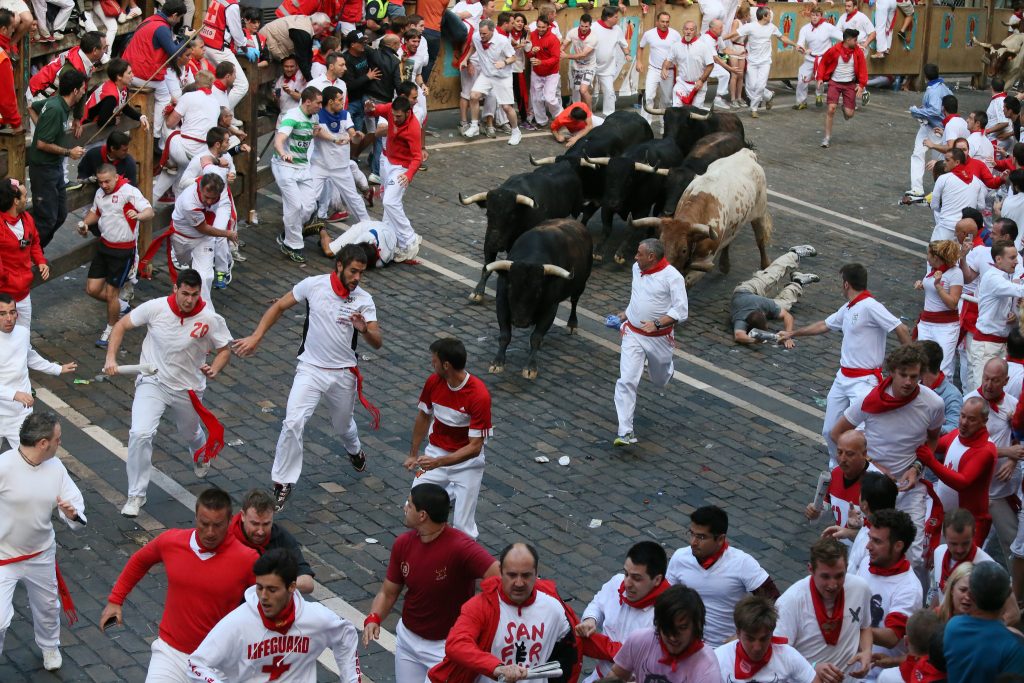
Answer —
(67, 604)
(991, 338)
(968, 318)
(165, 155)
(155, 247)
(939, 316)
(664, 331)
(118, 245)
(861, 372)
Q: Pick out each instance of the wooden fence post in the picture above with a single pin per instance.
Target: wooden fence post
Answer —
(141, 148)
(246, 164)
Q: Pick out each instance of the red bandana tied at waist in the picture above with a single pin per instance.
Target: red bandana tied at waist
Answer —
(673, 660)
(829, 624)
(283, 622)
(745, 667)
(879, 401)
(645, 601)
(67, 604)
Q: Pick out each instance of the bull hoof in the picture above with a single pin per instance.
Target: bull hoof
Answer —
(475, 298)
(621, 260)
(496, 369)
(530, 374)
(572, 329)
(598, 258)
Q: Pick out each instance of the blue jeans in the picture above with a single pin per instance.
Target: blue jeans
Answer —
(453, 29)
(355, 111)
(378, 148)
(395, 10)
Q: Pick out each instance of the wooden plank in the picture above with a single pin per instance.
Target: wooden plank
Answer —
(245, 164)
(12, 142)
(951, 29)
(141, 147)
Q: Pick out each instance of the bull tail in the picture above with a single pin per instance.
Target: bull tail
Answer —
(763, 228)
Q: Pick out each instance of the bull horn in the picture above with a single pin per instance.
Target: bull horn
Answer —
(472, 199)
(662, 171)
(498, 265)
(525, 201)
(700, 117)
(542, 161)
(651, 110)
(550, 269)
(650, 222)
(598, 161)
(646, 168)
(704, 230)
(587, 164)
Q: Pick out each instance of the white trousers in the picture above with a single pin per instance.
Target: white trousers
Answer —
(59, 22)
(10, 427)
(757, 84)
(297, 200)
(635, 349)
(608, 95)
(918, 156)
(915, 503)
(39, 574)
(338, 182)
(945, 335)
(804, 77)
(161, 98)
(657, 91)
(1017, 547)
(963, 351)
(167, 665)
(394, 209)
(844, 391)
(885, 10)
(223, 261)
(415, 656)
(683, 89)
(462, 482)
(241, 85)
(109, 25)
(311, 383)
(180, 153)
(544, 98)
(1005, 524)
(723, 76)
(980, 353)
(151, 400)
(199, 252)
(25, 312)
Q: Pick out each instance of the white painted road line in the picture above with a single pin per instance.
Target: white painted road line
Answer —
(854, 233)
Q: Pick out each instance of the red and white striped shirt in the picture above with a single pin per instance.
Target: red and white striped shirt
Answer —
(460, 413)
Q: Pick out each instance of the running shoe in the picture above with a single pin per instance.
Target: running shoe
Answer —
(220, 281)
(132, 506)
(625, 440)
(104, 339)
(358, 461)
(281, 493)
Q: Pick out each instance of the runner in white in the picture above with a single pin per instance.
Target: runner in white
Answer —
(290, 166)
(378, 239)
(722, 574)
(610, 52)
(34, 483)
(181, 330)
(331, 158)
(958, 528)
(997, 294)
(496, 56)
(721, 70)
(942, 286)
(859, 21)
(693, 60)
(201, 215)
(756, 654)
(815, 38)
(338, 311)
(454, 415)
(759, 36)
(580, 48)
(222, 28)
(660, 40)
(275, 632)
(196, 112)
(865, 323)
(884, 27)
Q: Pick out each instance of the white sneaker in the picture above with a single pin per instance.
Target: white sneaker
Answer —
(721, 104)
(201, 468)
(374, 178)
(413, 250)
(122, 17)
(516, 137)
(135, 12)
(472, 131)
(133, 506)
(52, 659)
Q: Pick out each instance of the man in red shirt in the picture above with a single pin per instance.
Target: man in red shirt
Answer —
(846, 71)
(20, 250)
(573, 123)
(843, 495)
(456, 409)
(440, 566)
(545, 57)
(9, 114)
(398, 164)
(207, 570)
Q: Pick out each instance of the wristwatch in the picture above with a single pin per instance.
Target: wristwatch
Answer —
(657, 324)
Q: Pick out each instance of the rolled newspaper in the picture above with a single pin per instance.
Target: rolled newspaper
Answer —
(146, 369)
(821, 489)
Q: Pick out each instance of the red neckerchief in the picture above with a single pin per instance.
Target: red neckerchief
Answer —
(9, 220)
(963, 173)
(814, 26)
(319, 59)
(947, 568)
(121, 182)
(940, 269)
(939, 379)
(219, 85)
(583, 34)
(673, 660)
(857, 299)
(845, 53)
(645, 601)
(710, 560)
(208, 91)
(949, 117)
(601, 21)
(200, 305)
(504, 33)
(829, 624)
(924, 671)
(999, 96)
(339, 288)
(902, 566)
(851, 15)
(691, 41)
(662, 34)
(485, 45)
(980, 437)
(978, 242)
(1019, 14)
(238, 531)
(515, 35)
(1018, 361)
(745, 667)
(656, 268)
(284, 620)
(993, 403)
(5, 43)
(712, 34)
(879, 400)
(529, 601)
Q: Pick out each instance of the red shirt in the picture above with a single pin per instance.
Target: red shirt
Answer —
(458, 413)
(971, 479)
(550, 53)
(828, 62)
(440, 577)
(199, 592)
(979, 169)
(9, 113)
(404, 142)
(843, 497)
(16, 274)
(564, 120)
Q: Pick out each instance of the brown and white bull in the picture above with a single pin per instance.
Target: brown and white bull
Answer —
(1004, 59)
(714, 207)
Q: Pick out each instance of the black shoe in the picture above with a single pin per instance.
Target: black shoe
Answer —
(358, 461)
(281, 493)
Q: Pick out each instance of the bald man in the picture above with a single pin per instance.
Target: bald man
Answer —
(843, 496)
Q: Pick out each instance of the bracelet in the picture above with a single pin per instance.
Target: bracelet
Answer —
(918, 466)
(371, 618)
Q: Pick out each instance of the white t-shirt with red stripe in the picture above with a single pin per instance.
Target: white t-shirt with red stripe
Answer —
(460, 413)
(117, 231)
(865, 326)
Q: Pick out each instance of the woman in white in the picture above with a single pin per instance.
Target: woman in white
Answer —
(737, 54)
(943, 285)
(759, 36)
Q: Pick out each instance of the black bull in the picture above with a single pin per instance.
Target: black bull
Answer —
(708, 149)
(687, 125)
(547, 265)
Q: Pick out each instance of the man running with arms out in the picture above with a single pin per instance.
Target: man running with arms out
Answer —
(846, 71)
(337, 312)
(454, 416)
(275, 632)
(180, 331)
(290, 165)
(440, 566)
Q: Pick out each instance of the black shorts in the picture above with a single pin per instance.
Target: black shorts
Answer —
(112, 265)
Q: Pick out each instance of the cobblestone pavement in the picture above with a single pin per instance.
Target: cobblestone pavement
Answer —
(738, 428)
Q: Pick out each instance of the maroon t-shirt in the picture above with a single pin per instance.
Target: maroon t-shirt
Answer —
(439, 576)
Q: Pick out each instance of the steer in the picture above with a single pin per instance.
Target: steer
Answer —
(634, 187)
(547, 265)
(732, 192)
(708, 149)
(521, 202)
(686, 125)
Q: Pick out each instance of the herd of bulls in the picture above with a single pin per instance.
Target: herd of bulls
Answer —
(694, 188)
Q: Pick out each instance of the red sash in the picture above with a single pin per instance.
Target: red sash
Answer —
(991, 338)
(854, 373)
(940, 317)
(67, 604)
(667, 330)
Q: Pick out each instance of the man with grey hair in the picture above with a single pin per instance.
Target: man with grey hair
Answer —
(978, 646)
(496, 57)
(33, 483)
(657, 303)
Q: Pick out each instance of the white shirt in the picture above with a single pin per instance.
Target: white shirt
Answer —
(115, 228)
(954, 277)
(1013, 208)
(655, 295)
(199, 113)
(786, 664)
(379, 233)
(980, 147)
(860, 21)
(845, 71)
(660, 48)
(759, 41)
(897, 594)
(865, 326)
(16, 357)
(996, 295)
(498, 48)
(858, 552)
(200, 165)
(615, 619)
(894, 435)
(296, 83)
(726, 582)
(709, 11)
(28, 497)
(317, 70)
(1001, 434)
(817, 39)
(995, 112)
(579, 45)
(321, 82)
(691, 59)
(241, 648)
(178, 346)
(527, 635)
(475, 9)
(950, 196)
(798, 624)
(328, 334)
(328, 155)
(937, 558)
(190, 212)
(955, 128)
(1016, 383)
(610, 44)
